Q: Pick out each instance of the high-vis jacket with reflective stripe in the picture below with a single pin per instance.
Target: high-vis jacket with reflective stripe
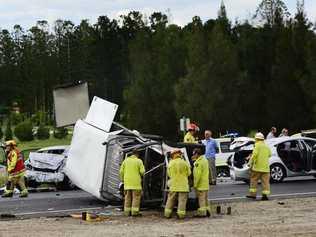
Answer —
(189, 138)
(201, 174)
(131, 171)
(15, 163)
(179, 171)
(260, 157)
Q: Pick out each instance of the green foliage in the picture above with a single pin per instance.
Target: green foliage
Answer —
(23, 131)
(223, 76)
(60, 133)
(157, 61)
(4, 110)
(40, 117)
(42, 132)
(1, 133)
(252, 133)
(8, 134)
(16, 118)
(272, 11)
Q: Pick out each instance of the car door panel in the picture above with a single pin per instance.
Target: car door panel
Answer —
(308, 156)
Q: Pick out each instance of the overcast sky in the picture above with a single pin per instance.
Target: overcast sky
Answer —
(27, 12)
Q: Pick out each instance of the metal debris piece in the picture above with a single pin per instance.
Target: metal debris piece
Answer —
(229, 211)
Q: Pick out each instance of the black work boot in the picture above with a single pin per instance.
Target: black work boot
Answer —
(264, 197)
(250, 196)
(7, 195)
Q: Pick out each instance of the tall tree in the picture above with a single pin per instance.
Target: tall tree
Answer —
(270, 11)
(156, 62)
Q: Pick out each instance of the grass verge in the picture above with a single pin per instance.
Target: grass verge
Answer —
(44, 143)
(3, 179)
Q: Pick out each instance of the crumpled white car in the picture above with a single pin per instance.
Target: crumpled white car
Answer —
(46, 166)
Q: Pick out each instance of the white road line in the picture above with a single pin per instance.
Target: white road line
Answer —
(57, 211)
(274, 195)
(293, 194)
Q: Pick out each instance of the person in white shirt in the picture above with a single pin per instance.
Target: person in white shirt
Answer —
(284, 132)
(272, 133)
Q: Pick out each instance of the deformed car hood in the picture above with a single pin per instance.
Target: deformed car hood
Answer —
(45, 160)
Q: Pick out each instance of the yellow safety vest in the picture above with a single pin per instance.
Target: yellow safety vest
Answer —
(188, 138)
(131, 171)
(260, 158)
(179, 171)
(201, 174)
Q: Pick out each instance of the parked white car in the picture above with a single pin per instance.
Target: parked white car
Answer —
(290, 157)
(222, 156)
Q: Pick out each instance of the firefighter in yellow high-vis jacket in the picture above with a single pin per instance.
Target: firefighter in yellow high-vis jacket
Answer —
(131, 172)
(259, 168)
(201, 181)
(16, 170)
(178, 170)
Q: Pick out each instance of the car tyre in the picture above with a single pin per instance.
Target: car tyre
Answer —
(66, 184)
(277, 173)
(31, 183)
(222, 172)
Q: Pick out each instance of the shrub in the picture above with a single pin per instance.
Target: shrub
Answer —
(40, 117)
(8, 132)
(42, 132)
(16, 118)
(23, 131)
(1, 133)
(252, 133)
(60, 133)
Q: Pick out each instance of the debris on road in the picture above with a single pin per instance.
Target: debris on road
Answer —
(7, 216)
(247, 219)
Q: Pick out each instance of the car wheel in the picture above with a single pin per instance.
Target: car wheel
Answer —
(66, 184)
(222, 172)
(31, 183)
(277, 173)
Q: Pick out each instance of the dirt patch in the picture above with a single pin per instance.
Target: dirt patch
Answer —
(292, 217)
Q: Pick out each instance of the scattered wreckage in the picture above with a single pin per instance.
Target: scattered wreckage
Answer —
(99, 146)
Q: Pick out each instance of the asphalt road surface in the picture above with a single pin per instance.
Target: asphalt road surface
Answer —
(63, 202)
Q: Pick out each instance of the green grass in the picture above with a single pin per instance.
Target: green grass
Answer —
(27, 147)
(3, 179)
(44, 143)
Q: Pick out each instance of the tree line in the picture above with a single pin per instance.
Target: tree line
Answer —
(222, 75)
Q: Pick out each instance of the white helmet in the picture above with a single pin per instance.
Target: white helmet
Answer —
(259, 136)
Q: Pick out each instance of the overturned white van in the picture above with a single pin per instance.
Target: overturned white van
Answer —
(99, 146)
